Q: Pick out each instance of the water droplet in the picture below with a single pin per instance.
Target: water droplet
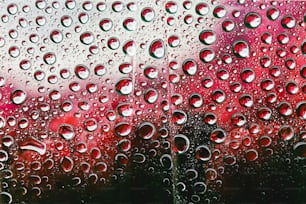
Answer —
(81, 147)
(113, 43)
(252, 20)
(6, 197)
(264, 113)
(49, 58)
(18, 96)
(124, 145)
(101, 167)
(101, 6)
(210, 118)
(100, 70)
(228, 25)
(179, 117)
(34, 144)
(117, 6)
(267, 84)
(14, 51)
(203, 153)
(218, 96)
(66, 131)
(299, 150)
(130, 24)
(285, 109)
(87, 38)
(12, 9)
(301, 110)
(207, 82)
(251, 155)
(195, 100)
(229, 160)
(241, 49)
(190, 67)
(303, 47)
(7, 141)
(151, 72)
(219, 12)
(41, 20)
(246, 100)
(171, 7)
(181, 144)
(207, 55)
(238, 119)
(106, 24)
(151, 95)
(174, 41)
(124, 86)
(218, 135)
(90, 124)
(67, 164)
(66, 21)
(286, 132)
(303, 71)
(265, 141)
(283, 38)
(129, 48)
(147, 14)
(273, 13)
(208, 37)
(166, 161)
(83, 18)
(146, 130)
(125, 109)
(95, 153)
(202, 9)
(56, 36)
(247, 75)
(82, 72)
(288, 21)
(157, 49)
(266, 38)
(292, 87)
(3, 156)
(123, 129)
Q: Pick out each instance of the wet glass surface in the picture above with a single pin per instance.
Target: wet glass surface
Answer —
(152, 101)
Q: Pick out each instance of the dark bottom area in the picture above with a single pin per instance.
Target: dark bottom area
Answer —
(272, 183)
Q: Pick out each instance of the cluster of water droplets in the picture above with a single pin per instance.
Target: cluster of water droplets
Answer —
(179, 89)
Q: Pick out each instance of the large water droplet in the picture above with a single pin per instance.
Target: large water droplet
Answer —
(67, 164)
(34, 144)
(252, 20)
(66, 131)
(299, 150)
(123, 129)
(301, 110)
(146, 130)
(157, 49)
(181, 143)
(203, 153)
(241, 49)
(124, 86)
(218, 135)
(18, 96)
